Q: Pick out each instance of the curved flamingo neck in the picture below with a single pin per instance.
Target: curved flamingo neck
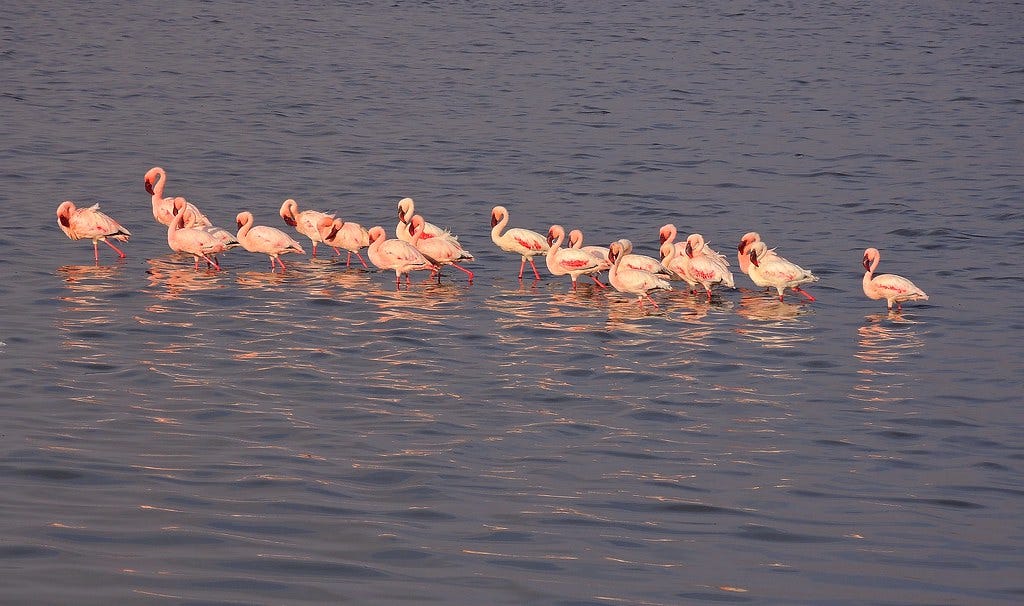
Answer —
(499, 227)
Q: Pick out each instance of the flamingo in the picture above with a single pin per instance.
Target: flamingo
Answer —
(570, 261)
(163, 208)
(743, 250)
(195, 241)
(306, 222)
(651, 265)
(78, 223)
(524, 242)
(439, 251)
(265, 239)
(770, 269)
(668, 233)
(707, 269)
(403, 231)
(677, 262)
(892, 288)
(598, 252)
(395, 254)
(192, 221)
(338, 233)
(633, 281)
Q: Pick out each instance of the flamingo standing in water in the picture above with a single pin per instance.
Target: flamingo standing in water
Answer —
(524, 242)
(191, 221)
(395, 254)
(743, 250)
(439, 251)
(90, 222)
(677, 262)
(265, 239)
(196, 241)
(570, 261)
(769, 269)
(403, 231)
(706, 269)
(306, 222)
(668, 233)
(892, 288)
(163, 208)
(633, 281)
(338, 233)
(598, 252)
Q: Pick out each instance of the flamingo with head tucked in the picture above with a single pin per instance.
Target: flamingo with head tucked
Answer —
(306, 222)
(91, 223)
(403, 231)
(598, 252)
(195, 241)
(570, 261)
(706, 269)
(265, 239)
(892, 288)
(634, 281)
(338, 233)
(395, 254)
(769, 269)
(524, 242)
(439, 251)
(163, 208)
(743, 250)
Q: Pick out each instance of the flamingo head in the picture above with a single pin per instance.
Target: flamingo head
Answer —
(242, 217)
(497, 213)
(748, 239)
(689, 249)
(288, 210)
(405, 209)
(666, 233)
(152, 175)
(871, 255)
(64, 212)
(575, 238)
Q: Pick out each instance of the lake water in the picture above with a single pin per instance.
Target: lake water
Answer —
(169, 436)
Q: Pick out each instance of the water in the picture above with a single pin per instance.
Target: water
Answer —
(242, 437)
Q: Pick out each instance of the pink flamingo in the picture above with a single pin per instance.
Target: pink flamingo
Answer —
(78, 223)
(677, 262)
(196, 241)
(306, 222)
(769, 269)
(524, 242)
(403, 231)
(892, 288)
(707, 269)
(265, 239)
(163, 208)
(633, 281)
(668, 233)
(338, 233)
(395, 254)
(439, 251)
(598, 252)
(570, 261)
(743, 250)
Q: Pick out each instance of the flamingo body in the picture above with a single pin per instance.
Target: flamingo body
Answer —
(892, 288)
(571, 262)
(633, 281)
(769, 269)
(90, 223)
(350, 236)
(306, 222)
(397, 255)
(196, 241)
(439, 251)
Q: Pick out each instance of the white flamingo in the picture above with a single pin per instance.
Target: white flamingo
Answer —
(892, 288)
(769, 269)
(338, 233)
(633, 281)
(706, 269)
(439, 251)
(517, 240)
(195, 241)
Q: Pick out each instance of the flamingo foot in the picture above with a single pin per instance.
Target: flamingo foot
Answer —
(804, 293)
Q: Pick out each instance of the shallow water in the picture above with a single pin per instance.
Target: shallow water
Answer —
(319, 436)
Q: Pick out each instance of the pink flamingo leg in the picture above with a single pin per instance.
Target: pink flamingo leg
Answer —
(598, 282)
(522, 266)
(95, 251)
(804, 293)
(649, 299)
(360, 257)
(457, 266)
(119, 252)
(536, 275)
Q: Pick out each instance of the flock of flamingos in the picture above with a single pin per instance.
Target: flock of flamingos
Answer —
(420, 245)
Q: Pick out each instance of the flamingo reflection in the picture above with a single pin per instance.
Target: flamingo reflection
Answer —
(883, 343)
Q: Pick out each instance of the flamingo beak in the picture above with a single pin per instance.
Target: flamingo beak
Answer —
(743, 244)
(238, 223)
(149, 187)
(866, 263)
(753, 258)
(661, 238)
(494, 220)
(689, 250)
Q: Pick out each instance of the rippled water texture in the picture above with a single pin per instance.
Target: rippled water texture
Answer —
(321, 437)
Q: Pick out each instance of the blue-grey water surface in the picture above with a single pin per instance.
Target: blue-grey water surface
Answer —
(169, 436)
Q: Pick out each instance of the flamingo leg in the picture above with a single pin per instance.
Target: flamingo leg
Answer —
(598, 282)
(536, 275)
(314, 248)
(522, 266)
(348, 261)
(649, 299)
(95, 251)
(457, 266)
(119, 252)
(209, 262)
(360, 257)
(337, 252)
(804, 293)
